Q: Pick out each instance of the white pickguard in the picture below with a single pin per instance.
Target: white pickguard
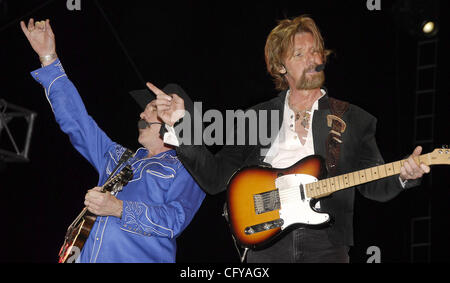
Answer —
(294, 209)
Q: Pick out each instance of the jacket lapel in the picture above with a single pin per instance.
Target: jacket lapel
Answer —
(320, 127)
(276, 104)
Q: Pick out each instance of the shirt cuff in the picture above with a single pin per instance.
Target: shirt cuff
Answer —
(170, 137)
(48, 74)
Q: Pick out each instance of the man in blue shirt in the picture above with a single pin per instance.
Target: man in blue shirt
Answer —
(141, 222)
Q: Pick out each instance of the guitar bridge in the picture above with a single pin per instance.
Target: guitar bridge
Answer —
(265, 202)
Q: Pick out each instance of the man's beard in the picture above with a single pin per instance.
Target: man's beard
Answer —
(316, 81)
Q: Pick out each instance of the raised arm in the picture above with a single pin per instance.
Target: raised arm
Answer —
(67, 105)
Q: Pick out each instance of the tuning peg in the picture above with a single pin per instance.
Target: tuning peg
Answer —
(444, 149)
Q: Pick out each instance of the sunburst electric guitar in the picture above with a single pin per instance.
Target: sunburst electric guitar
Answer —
(264, 203)
(79, 230)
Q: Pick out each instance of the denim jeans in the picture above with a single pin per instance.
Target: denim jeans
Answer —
(301, 246)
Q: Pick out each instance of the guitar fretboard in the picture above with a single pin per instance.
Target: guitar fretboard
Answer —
(328, 186)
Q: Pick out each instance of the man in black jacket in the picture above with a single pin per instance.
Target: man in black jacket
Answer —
(295, 55)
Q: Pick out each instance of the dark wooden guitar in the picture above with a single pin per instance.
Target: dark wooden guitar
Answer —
(79, 230)
(264, 203)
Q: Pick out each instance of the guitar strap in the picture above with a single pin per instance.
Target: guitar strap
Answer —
(124, 158)
(334, 140)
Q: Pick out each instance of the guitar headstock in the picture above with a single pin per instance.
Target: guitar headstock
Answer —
(127, 174)
(440, 156)
(120, 180)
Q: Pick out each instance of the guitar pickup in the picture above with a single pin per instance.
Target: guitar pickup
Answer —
(264, 226)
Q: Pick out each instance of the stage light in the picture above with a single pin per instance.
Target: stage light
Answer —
(429, 28)
(418, 18)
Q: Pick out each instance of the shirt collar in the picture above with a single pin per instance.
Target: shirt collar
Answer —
(314, 107)
(142, 153)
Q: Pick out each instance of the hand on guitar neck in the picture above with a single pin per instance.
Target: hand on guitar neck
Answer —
(412, 169)
(103, 203)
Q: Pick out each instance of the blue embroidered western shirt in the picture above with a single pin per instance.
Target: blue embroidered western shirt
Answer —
(158, 202)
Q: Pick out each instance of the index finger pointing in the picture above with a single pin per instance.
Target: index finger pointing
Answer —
(159, 93)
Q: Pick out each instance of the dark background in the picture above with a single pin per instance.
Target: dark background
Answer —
(215, 51)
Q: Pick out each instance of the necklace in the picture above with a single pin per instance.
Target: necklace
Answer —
(304, 116)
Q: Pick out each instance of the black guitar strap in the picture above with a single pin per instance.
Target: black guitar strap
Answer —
(334, 140)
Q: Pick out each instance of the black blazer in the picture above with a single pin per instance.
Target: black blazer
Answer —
(358, 151)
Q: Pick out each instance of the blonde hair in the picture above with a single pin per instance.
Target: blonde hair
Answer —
(281, 39)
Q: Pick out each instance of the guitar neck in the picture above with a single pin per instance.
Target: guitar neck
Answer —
(328, 186)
